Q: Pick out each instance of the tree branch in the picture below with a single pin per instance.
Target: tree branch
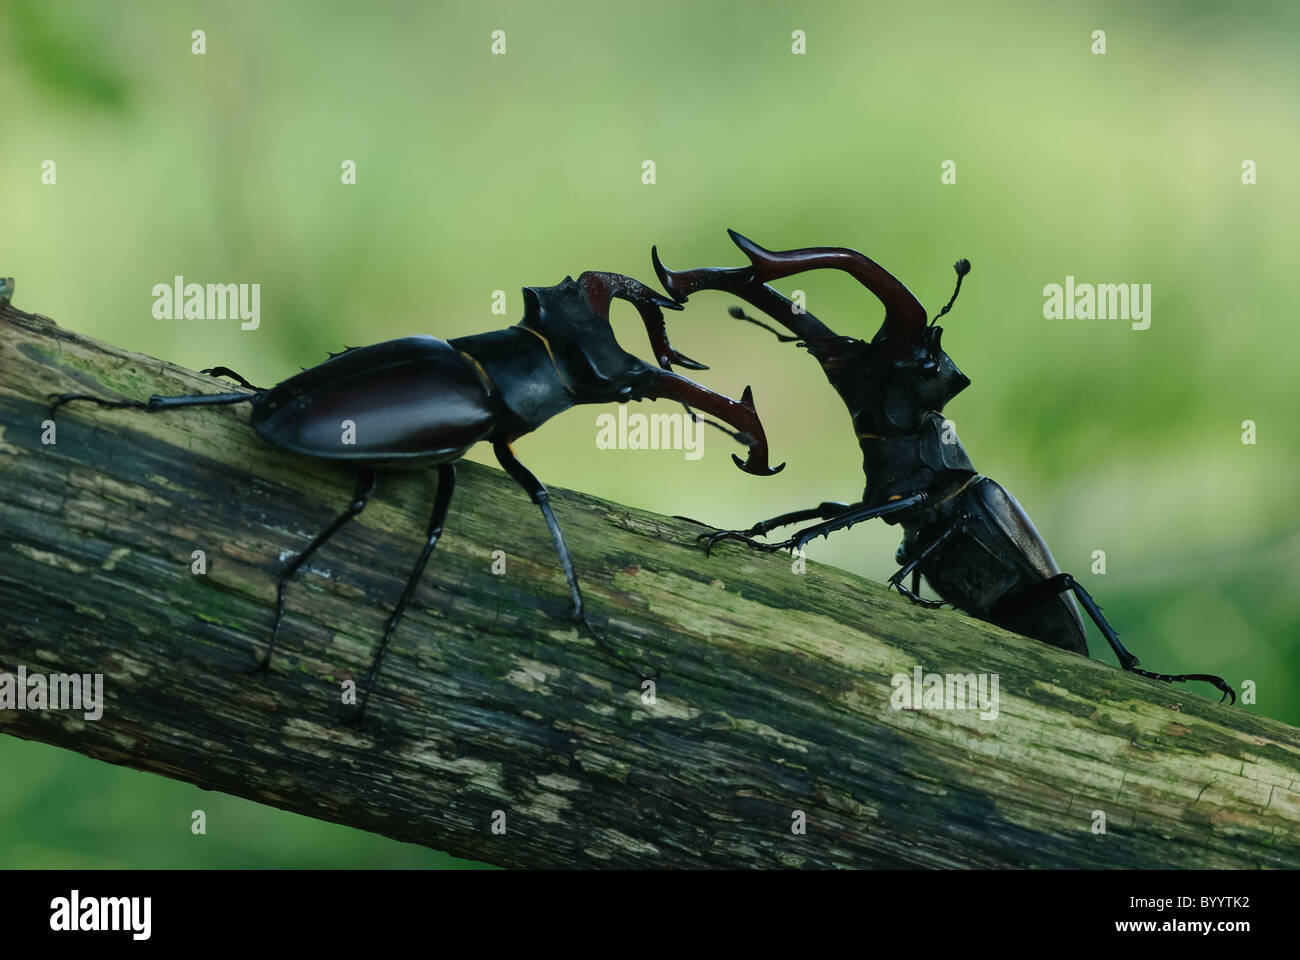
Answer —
(774, 696)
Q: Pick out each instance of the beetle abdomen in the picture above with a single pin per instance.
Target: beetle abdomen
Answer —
(991, 567)
(412, 399)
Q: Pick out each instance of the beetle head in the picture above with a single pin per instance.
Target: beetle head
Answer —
(915, 375)
(581, 341)
(920, 380)
(889, 383)
(572, 318)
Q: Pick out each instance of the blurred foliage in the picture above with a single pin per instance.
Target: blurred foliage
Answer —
(480, 172)
(63, 58)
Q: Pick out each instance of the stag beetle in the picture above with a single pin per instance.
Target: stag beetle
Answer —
(968, 536)
(420, 401)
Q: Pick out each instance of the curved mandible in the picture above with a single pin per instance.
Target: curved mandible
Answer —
(601, 287)
(904, 316)
(740, 415)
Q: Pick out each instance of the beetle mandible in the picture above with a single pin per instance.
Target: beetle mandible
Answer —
(972, 541)
(420, 401)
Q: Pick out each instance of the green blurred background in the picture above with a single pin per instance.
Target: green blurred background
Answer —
(478, 172)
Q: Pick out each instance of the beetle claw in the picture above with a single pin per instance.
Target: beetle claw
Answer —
(757, 471)
(712, 539)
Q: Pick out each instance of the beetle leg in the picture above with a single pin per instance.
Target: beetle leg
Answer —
(712, 539)
(227, 372)
(823, 511)
(365, 487)
(535, 490)
(826, 510)
(914, 567)
(540, 496)
(441, 502)
(1063, 581)
(914, 594)
(153, 403)
(848, 518)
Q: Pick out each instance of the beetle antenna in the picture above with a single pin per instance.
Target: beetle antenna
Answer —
(742, 438)
(740, 314)
(962, 267)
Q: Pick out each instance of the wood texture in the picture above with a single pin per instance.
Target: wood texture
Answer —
(774, 695)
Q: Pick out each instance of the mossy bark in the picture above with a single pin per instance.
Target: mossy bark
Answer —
(773, 701)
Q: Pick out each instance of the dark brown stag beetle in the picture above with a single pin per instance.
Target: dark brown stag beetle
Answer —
(968, 536)
(420, 401)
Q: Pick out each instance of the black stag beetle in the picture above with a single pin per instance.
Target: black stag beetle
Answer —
(968, 536)
(420, 401)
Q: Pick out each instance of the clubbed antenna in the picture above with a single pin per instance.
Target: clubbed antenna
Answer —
(962, 267)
